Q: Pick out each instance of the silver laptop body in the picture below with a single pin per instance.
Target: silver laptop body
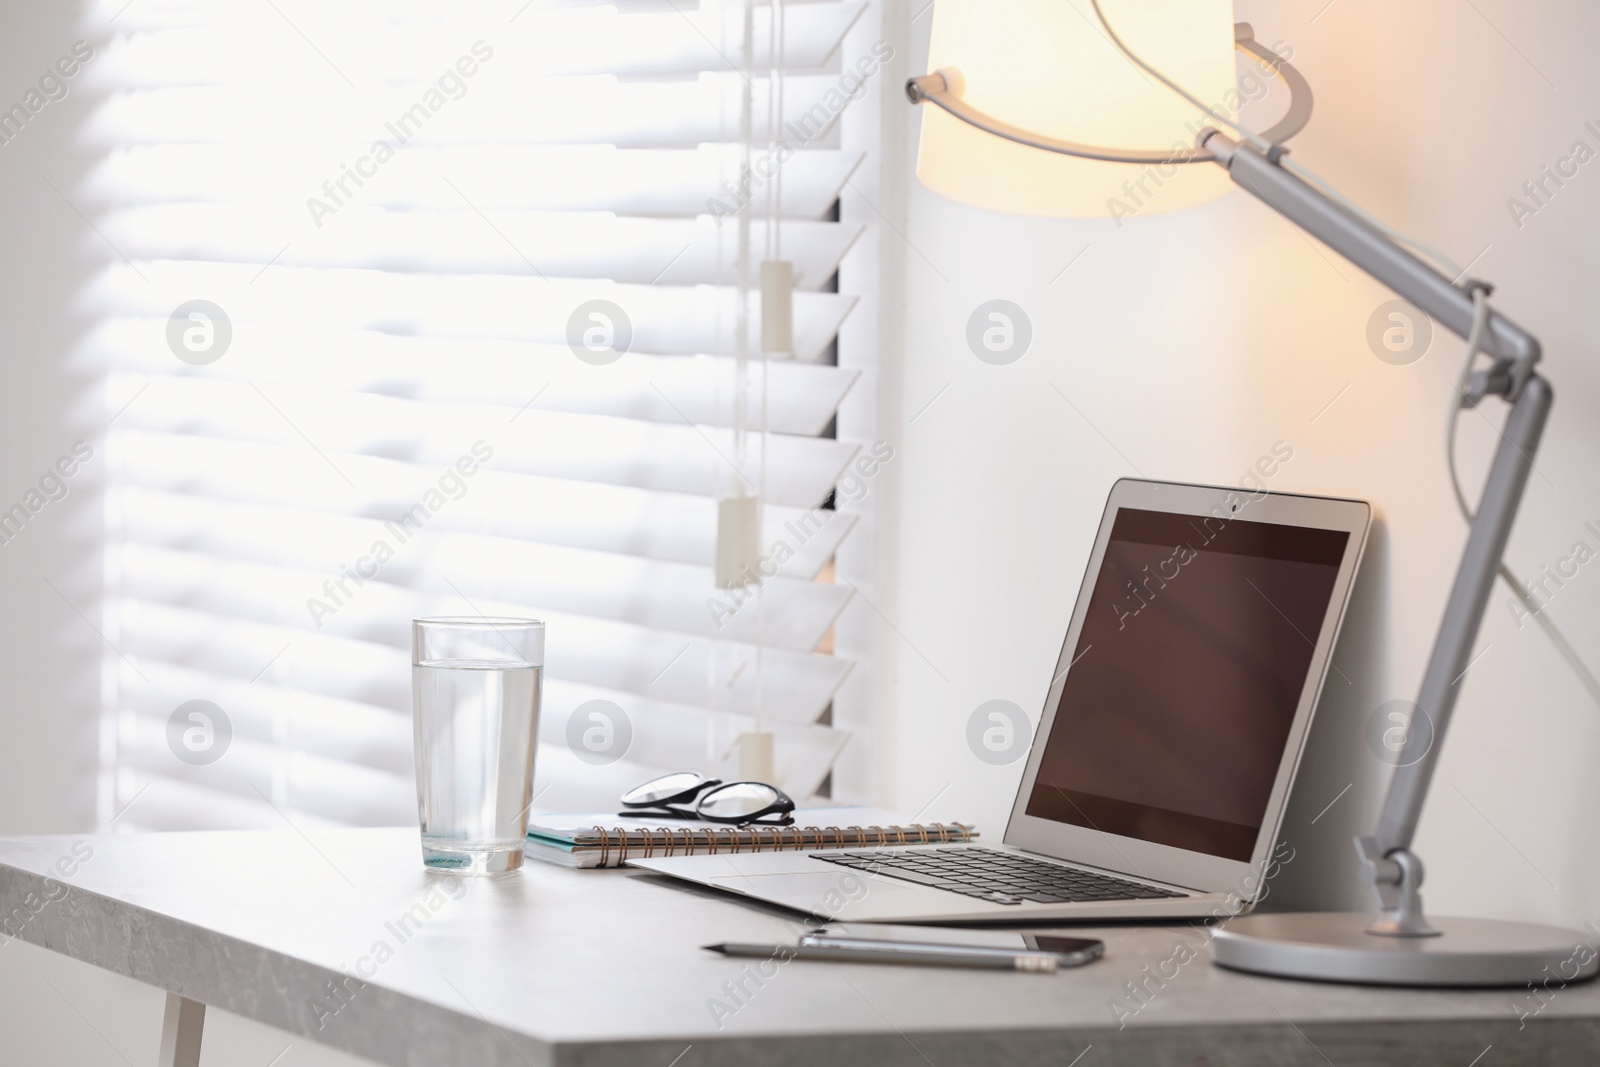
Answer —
(1171, 733)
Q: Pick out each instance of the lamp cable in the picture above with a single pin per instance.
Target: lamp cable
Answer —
(1460, 399)
(1480, 318)
(1281, 157)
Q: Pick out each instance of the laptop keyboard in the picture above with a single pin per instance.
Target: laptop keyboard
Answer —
(995, 876)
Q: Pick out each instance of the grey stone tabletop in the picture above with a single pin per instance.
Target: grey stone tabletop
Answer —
(344, 938)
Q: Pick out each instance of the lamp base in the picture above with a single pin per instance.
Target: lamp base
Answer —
(1334, 946)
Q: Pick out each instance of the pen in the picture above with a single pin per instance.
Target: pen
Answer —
(998, 959)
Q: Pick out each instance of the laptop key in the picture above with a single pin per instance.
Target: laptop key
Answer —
(917, 877)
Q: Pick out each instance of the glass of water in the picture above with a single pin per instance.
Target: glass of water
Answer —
(475, 684)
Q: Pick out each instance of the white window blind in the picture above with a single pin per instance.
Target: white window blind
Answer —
(399, 327)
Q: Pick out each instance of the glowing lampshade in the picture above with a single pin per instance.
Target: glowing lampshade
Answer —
(1046, 66)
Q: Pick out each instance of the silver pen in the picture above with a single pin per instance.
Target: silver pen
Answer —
(998, 959)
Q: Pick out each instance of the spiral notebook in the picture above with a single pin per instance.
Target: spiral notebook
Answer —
(611, 840)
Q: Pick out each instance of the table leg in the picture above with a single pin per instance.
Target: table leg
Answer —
(180, 1032)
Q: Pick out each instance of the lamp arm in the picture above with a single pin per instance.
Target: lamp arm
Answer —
(944, 89)
(1395, 872)
(1475, 577)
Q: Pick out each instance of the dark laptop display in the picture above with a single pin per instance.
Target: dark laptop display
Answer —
(1186, 677)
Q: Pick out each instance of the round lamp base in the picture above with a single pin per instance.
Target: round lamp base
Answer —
(1334, 946)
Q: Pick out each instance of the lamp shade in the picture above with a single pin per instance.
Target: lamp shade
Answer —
(1047, 66)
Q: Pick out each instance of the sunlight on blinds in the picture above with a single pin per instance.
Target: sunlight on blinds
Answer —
(347, 339)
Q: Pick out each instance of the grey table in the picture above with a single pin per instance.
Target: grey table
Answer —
(342, 937)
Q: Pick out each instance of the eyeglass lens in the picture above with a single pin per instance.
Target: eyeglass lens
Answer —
(661, 789)
(738, 800)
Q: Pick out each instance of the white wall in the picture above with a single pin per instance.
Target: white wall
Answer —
(1190, 343)
(49, 655)
(872, 341)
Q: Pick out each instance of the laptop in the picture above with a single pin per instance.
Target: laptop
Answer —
(1175, 720)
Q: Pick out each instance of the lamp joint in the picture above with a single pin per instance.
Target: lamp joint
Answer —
(1397, 883)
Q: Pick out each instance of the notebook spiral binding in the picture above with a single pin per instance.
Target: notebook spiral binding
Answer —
(714, 841)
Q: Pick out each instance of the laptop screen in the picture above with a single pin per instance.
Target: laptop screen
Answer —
(1184, 684)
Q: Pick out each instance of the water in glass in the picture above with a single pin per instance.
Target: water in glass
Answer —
(476, 724)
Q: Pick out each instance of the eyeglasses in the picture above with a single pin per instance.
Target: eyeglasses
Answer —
(686, 795)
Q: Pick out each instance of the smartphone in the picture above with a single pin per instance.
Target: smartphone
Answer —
(1069, 951)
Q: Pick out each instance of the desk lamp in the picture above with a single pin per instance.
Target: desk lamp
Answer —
(1012, 82)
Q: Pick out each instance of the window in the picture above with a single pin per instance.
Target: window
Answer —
(435, 308)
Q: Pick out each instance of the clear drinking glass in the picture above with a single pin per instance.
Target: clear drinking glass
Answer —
(475, 686)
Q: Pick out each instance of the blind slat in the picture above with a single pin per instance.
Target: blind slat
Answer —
(565, 40)
(800, 398)
(682, 458)
(641, 251)
(574, 110)
(637, 181)
(296, 720)
(666, 319)
(190, 504)
(676, 597)
(361, 654)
